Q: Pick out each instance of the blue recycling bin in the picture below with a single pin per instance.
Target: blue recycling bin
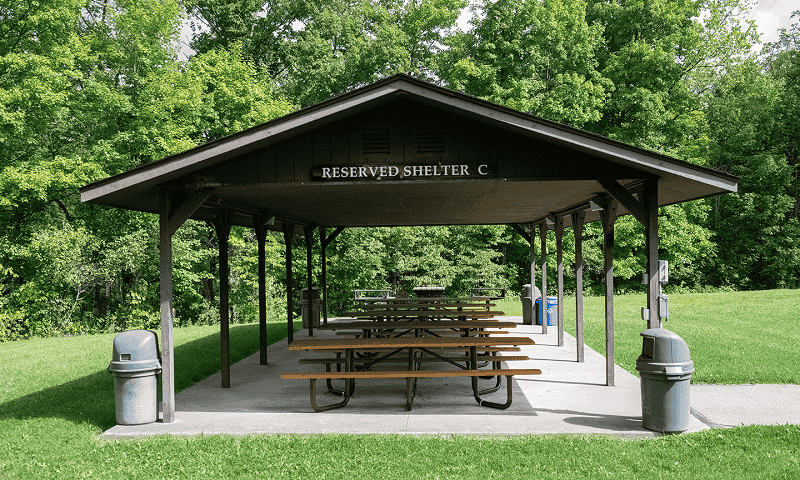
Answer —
(552, 311)
(537, 308)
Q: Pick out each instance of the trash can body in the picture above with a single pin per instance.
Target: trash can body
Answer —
(135, 364)
(310, 307)
(665, 369)
(136, 397)
(528, 299)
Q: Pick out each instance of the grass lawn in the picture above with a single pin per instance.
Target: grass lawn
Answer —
(56, 398)
(734, 337)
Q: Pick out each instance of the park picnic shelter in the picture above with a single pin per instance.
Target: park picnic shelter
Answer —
(404, 152)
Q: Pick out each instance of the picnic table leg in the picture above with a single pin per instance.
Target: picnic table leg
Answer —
(496, 387)
(350, 384)
(411, 383)
(473, 365)
(501, 406)
(323, 408)
(329, 381)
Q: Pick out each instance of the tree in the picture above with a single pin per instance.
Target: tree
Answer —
(536, 57)
(753, 119)
(660, 57)
(318, 49)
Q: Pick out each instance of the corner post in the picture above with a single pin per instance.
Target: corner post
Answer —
(165, 283)
(651, 239)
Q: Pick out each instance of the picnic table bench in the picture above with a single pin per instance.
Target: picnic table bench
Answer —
(396, 345)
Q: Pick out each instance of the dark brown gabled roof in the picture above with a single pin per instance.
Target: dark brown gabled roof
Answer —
(538, 167)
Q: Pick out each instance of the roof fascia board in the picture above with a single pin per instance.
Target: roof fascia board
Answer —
(654, 162)
(203, 156)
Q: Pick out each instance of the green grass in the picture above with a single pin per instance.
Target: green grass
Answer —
(57, 398)
(733, 337)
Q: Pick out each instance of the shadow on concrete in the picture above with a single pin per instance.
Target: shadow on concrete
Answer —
(618, 423)
(90, 399)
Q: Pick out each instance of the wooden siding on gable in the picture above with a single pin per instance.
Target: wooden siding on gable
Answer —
(404, 132)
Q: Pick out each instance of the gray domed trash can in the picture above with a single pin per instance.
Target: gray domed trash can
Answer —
(134, 365)
(528, 298)
(665, 370)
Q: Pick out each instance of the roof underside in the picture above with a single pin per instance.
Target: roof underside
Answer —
(492, 166)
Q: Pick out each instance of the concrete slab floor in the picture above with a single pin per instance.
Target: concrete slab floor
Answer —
(568, 398)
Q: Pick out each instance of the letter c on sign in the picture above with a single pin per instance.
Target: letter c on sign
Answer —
(481, 169)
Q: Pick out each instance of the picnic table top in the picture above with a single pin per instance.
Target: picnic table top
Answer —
(369, 324)
(425, 305)
(476, 300)
(406, 342)
(423, 313)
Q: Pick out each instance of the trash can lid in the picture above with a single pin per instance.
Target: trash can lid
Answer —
(135, 350)
(664, 352)
(535, 294)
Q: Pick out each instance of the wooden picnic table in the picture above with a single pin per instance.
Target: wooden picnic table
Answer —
(410, 344)
(425, 305)
(417, 324)
(428, 300)
(426, 313)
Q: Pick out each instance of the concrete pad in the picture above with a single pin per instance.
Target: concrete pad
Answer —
(724, 406)
(569, 397)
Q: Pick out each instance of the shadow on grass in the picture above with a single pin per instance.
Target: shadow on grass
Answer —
(90, 399)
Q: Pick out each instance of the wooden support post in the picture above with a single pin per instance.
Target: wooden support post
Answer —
(172, 215)
(222, 224)
(577, 225)
(560, 273)
(651, 239)
(543, 241)
(609, 216)
(165, 280)
(308, 233)
(288, 235)
(323, 245)
(533, 271)
(324, 241)
(261, 236)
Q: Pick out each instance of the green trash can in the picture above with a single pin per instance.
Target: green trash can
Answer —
(665, 369)
(134, 365)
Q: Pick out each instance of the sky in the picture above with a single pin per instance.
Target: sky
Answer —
(771, 15)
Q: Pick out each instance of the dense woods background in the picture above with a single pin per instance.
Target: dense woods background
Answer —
(91, 88)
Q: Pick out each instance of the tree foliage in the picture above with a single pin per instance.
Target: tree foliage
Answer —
(92, 88)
